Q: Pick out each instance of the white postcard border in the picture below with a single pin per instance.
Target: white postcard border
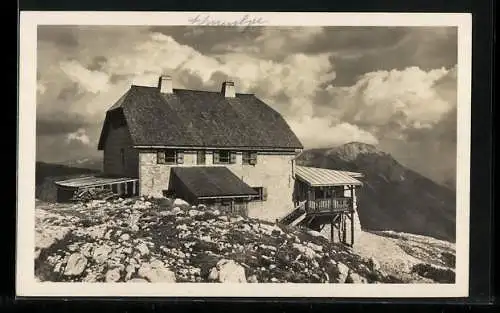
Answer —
(26, 284)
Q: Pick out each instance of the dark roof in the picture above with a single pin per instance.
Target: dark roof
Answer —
(212, 182)
(200, 119)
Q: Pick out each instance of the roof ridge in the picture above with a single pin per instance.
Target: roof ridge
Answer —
(188, 89)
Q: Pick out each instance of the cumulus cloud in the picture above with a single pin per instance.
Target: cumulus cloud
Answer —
(392, 101)
(80, 135)
(92, 81)
(321, 133)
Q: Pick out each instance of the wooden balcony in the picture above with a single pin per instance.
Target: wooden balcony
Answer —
(324, 206)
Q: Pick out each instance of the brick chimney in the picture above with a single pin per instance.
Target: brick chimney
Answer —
(228, 89)
(165, 84)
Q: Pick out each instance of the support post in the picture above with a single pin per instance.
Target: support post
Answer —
(352, 229)
(339, 227)
(352, 197)
(133, 188)
(344, 228)
(126, 188)
(332, 230)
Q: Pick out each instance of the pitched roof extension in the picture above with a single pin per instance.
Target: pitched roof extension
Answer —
(207, 181)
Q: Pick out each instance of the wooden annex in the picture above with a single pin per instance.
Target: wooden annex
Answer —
(121, 186)
(325, 197)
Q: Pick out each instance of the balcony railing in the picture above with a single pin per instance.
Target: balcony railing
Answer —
(329, 205)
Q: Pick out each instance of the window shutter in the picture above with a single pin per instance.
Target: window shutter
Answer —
(200, 157)
(160, 157)
(180, 157)
(216, 157)
(233, 157)
(264, 193)
(253, 158)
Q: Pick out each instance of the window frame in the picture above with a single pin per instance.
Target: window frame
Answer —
(249, 158)
(171, 160)
(231, 157)
(262, 193)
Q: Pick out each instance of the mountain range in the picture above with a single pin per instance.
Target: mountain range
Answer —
(392, 197)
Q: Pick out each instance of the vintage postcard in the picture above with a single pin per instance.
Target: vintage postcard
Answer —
(243, 154)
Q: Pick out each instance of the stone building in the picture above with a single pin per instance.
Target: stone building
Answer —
(219, 147)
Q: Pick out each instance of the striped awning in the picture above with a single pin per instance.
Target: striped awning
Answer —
(315, 176)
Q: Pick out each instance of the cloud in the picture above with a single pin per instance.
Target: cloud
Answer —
(92, 81)
(80, 135)
(391, 101)
(63, 36)
(321, 133)
(370, 49)
(272, 43)
(60, 123)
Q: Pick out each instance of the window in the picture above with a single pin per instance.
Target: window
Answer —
(224, 157)
(170, 157)
(262, 193)
(249, 157)
(200, 157)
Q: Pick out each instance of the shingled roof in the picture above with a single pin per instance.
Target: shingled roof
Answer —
(191, 118)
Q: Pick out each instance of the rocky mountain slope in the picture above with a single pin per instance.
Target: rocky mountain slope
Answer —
(393, 197)
(165, 240)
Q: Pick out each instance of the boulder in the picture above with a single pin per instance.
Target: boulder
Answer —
(315, 247)
(213, 275)
(156, 273)
(180, 202)
(230, 272)
(112, 275)
(177, 211)
(101, 253)
(134, 228)
(343, 271)
(304, 250)
(142, 248)
(252, 279)
(76, 264)
(86, 250)
(125, 237)
(201, 207)
(193, 213)
(356, 278)
(130, 269)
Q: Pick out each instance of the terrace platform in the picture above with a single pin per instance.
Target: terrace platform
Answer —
(122, 186)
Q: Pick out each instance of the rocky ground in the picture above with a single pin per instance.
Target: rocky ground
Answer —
(165, 240)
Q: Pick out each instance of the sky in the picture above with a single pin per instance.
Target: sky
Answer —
(395, 88)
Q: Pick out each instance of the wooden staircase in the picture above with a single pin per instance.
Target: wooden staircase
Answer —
(297, 215)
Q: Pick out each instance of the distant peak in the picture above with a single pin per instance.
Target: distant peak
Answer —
(361, 145)
(350, 151)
